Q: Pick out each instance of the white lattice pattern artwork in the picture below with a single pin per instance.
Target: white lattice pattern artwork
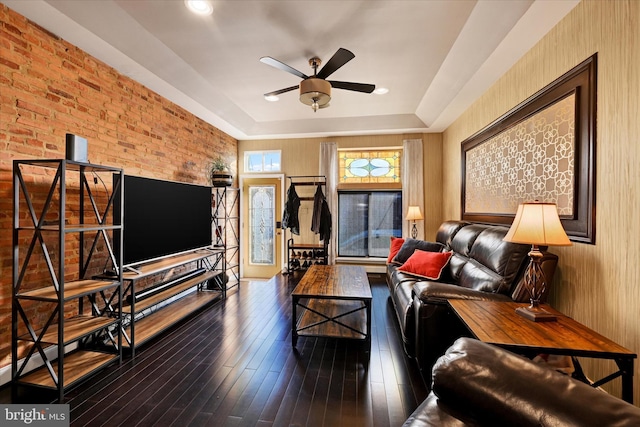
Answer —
(533, 160)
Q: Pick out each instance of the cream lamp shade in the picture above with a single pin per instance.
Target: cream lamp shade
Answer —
(414, 213)
(537, 223)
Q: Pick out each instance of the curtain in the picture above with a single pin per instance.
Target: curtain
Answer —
(412, 183)
(329, 168)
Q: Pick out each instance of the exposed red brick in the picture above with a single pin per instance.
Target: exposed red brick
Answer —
(49, 87)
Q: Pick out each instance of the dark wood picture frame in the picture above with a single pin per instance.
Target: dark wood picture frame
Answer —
(581, 81)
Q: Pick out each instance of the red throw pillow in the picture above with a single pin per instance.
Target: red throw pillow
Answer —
(426, 264)
(396, 244)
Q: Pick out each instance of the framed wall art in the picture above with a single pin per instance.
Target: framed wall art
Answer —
(543, 149)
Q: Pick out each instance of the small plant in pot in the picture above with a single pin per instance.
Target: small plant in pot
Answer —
(219, 173)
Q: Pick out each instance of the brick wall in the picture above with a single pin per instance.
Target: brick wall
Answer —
(48, 88)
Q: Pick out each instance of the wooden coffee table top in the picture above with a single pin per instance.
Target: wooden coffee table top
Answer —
(334, 282)
(497, 323)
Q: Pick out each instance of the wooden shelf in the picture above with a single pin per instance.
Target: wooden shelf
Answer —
(72, 290)
(170, 292)
(74, 328)
(153, 324)
(332, 308)
(77, 365)
(168, 263)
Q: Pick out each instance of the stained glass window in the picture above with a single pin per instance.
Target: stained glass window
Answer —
(369, 167)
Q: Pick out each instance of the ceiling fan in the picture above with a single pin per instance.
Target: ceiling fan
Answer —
(315, 90)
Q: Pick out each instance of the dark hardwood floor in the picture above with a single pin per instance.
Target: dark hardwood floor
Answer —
(233, 364)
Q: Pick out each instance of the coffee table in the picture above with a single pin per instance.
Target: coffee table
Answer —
(334, 301)
(497, 323)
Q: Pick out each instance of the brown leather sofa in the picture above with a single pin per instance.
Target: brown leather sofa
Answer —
(482, 267)
(477, 384)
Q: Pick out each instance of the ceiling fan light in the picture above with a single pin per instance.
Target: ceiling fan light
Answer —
(315, 91)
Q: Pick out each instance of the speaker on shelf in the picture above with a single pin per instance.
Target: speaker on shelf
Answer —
(77, 148)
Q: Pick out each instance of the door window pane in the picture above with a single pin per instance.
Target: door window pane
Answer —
(262, 225)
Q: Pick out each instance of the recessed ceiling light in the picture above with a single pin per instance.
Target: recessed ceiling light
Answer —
(200, 7)
(381, 91)
(272, 98)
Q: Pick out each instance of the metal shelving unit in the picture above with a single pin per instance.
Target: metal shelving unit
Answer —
(301, 256)
(226, 223)
(58, 220)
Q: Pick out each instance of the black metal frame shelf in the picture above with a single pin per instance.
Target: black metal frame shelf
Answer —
(102, 327)
(226, 226)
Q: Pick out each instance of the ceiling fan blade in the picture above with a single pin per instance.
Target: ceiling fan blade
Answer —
(358, 87)
(282, 66)
(278, 92)
(341, 57)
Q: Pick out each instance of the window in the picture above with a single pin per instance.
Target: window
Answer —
(369, 201)
(262, 161)
(366, 221)
(370, 167)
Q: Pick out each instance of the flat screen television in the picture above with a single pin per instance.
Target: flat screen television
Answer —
(162, 218)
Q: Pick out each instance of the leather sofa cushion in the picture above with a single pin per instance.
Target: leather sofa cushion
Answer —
(485, 262)
(465, 238)
(501, 388)
(447, 230)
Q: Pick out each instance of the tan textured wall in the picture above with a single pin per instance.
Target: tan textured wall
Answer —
(598, 285)
(301, 157)
(49, 87)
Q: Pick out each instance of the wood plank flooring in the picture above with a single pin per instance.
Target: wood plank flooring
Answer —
(233, 365)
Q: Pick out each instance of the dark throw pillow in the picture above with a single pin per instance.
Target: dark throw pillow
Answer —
(410, 245)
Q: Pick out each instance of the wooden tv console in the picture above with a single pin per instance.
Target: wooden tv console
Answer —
(145, 319)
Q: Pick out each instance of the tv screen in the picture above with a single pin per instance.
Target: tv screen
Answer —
(162, 218)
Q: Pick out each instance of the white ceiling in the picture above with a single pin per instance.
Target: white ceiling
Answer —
(435, 57)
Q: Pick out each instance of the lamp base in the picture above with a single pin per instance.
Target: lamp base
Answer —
(536, 314)
(414, 231)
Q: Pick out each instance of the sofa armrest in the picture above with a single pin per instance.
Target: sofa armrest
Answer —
(498, 387)
(432, 412)
(439, 293)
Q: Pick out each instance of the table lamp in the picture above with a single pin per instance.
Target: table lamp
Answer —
(412, 215)
(537, 224)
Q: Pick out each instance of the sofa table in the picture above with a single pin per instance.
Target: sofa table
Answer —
(497, 323)
(335, 302)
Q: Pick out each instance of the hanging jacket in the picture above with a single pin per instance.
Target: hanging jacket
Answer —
(325, 222)
(318, 198)
(291, 207)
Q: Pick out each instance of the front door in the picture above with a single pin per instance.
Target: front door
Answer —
(261, 216)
